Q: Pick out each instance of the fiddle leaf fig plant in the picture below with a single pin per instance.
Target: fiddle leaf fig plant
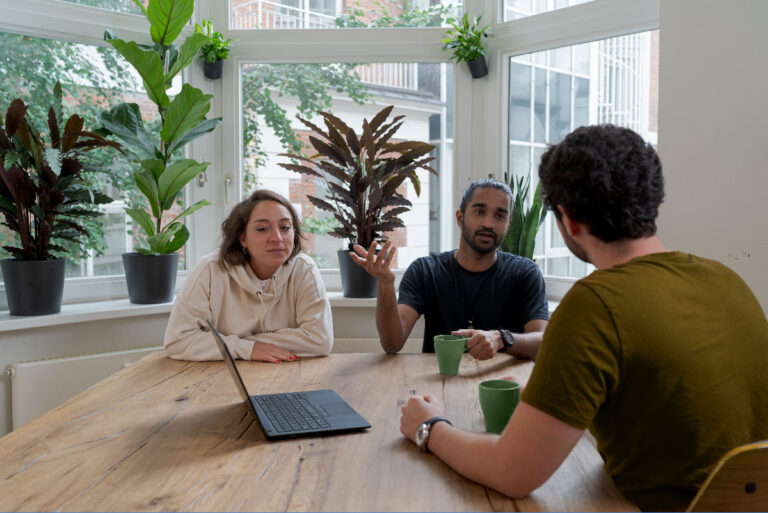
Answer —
(43, 196)
(362, 174)
(161, 172)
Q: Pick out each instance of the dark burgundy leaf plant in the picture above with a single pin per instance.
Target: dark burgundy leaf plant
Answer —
(42, 192)
(362, 174)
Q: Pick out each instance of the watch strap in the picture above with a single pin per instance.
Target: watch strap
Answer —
(507, 339)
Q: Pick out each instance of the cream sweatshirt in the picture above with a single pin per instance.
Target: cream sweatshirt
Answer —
(290, 309)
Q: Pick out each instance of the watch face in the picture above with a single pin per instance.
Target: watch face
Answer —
(422, 434)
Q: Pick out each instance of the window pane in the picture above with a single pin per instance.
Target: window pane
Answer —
(126, 6)
(519, 159)
(514, 9)
(93, 79)
(269, 128)
(321, 14)
(612, 81)
(519, 101)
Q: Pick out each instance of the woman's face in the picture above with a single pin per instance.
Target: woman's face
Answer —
(268, 237)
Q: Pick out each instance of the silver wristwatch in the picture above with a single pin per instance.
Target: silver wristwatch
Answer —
(422, 434)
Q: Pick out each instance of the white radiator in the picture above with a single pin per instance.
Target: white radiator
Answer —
(37, 387)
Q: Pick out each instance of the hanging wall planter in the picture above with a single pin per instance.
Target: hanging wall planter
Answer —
(477, 67)
(213, 69)
(34, 287)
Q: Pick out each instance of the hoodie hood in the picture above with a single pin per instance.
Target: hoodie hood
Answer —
(264, 290)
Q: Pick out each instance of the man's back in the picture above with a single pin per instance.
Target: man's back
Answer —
(665, 357)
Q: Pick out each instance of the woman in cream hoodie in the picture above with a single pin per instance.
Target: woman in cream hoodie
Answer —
(264, 296)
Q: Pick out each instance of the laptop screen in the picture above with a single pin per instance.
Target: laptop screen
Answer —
(230, 362)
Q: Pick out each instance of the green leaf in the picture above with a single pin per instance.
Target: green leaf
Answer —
(193, 133)
(187, 54)
(162, 242)
(192, 208)
(178, 240)
(147, 184)
(149, 65)
(176, 176)
(143, 219)
(187, 109)
(141, 6)
(155, 166)
(125, 122)
(168, 18)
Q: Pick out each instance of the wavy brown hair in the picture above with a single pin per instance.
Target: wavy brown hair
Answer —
(231, 252)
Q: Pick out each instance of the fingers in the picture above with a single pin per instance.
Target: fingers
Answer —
(390, 256)
(359, 250)
(511, 377)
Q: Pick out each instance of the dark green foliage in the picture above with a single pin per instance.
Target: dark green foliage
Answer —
(43, 196)
(362, 174)
(525, 219)
(465, 39)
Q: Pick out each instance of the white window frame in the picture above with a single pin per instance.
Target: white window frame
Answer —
(480, 125)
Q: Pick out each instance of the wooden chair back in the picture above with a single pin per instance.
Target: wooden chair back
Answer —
(739, 481)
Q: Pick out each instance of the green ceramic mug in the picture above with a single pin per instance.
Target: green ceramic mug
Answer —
(498, 400)
(449, 349)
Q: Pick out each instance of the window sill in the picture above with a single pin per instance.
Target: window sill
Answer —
(82, 312)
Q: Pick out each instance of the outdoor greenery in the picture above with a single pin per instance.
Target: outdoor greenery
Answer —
(162, 174)
(217, 48)
(527, 216)
(363, 174)
(407, 16)
(43, 198)
(465, 39)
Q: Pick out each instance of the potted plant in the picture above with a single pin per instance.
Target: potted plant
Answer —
(162, 172)
(525, 219)
(215, 51)
(362, 175)
(43, 199)
(466, 41)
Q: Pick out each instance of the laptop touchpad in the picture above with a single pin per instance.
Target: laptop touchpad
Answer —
(337, 409)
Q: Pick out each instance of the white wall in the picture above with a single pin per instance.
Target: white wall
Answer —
(713, 120)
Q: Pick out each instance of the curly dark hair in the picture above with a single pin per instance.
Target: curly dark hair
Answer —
(606, 177)
(231, 251)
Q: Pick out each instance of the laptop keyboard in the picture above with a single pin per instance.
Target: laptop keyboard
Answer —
(290, 412)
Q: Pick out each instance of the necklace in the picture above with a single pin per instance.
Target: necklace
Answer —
(459, 285)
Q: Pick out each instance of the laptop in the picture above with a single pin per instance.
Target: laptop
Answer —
(294, 414)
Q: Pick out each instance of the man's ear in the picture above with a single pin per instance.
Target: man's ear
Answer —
(572, 228)
(459, 217)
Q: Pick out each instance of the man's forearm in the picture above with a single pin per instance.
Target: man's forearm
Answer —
(388, 321)
(526, 345)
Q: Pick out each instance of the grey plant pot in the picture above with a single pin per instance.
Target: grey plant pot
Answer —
(213, 69)
(34, 287)
(355, 281)
(477, 67)
(151, 279)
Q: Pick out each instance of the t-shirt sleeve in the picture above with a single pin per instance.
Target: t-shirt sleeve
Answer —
(533, 295)
(411, 290)
(577, 368)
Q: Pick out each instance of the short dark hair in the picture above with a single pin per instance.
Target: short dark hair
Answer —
(231, 252)
(484, 183)
(606, 177)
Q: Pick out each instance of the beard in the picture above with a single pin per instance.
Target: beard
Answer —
(574, 246)
(482, 248)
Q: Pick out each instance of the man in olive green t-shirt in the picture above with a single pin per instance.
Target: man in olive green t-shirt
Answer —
(662, 355)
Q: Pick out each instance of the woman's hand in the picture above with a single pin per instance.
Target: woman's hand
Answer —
(266, 352)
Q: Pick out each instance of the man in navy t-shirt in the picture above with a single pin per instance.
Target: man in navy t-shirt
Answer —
(494, 298)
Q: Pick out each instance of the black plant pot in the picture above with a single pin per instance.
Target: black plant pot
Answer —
(34, 287)
(213, 69)
(150, 278)
(355, 281)
(477, 67)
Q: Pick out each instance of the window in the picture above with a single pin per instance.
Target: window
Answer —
(325, 14)
(514, 9)
(554, 92)
(126, 6)
(273, 94)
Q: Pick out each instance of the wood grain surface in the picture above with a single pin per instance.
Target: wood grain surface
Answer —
(165, 435)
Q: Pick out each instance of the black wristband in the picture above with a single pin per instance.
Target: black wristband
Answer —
(507, 339)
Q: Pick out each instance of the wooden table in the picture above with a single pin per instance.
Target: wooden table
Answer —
(170, 435)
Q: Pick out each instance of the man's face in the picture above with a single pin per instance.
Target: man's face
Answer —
(485, 220)
(572, 245)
